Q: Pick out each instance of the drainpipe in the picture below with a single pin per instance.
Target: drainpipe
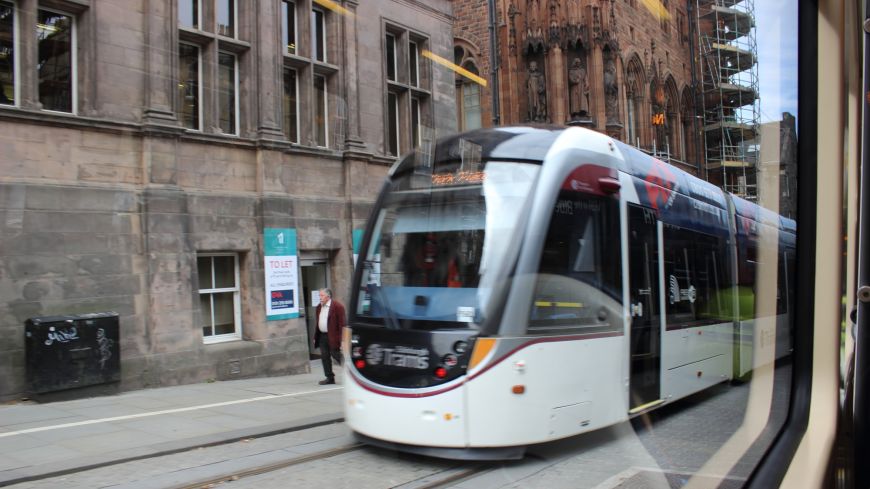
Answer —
(494, 63)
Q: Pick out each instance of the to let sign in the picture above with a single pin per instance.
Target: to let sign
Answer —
(282, 278)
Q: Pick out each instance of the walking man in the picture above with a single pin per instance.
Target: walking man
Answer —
(330, 321)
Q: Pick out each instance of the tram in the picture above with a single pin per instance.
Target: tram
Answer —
(519, 285)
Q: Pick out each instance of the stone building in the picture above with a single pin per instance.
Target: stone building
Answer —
(611, 65)
(150, 146)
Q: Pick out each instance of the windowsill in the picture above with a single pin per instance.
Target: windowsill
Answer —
(214, 340)
(194, 35)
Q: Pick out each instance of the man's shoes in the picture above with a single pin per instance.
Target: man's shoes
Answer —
(326, 381)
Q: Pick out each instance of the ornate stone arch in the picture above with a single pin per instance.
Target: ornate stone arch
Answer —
(672, 115)
(635, 81)
(689, 142)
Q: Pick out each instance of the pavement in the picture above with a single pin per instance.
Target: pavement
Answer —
(39, 441)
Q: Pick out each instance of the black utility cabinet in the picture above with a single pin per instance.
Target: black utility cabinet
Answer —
(65, 352)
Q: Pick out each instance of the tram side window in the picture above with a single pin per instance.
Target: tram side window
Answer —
(697, 289)
(579, 276)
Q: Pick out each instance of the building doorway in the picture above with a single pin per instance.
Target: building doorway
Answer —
(315, 276)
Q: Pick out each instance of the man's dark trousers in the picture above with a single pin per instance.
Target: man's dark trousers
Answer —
(326, 357)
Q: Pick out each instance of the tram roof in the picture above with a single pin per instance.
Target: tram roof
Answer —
(532, 142)
(516, 143)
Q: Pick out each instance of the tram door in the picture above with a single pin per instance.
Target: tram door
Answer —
(645, 335)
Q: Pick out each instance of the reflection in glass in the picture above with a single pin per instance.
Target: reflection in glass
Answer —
(393, 124)
(188, 85)
(415, 121)
(318, 35)
(391, 57)
(226, 18)
(7, 53)
(414, 64)
(471, 112)
(288, 27)
(227, 92)
(55, 60)
(224, 313)
(321, 110)
(203, 270)
(205, 310)
(224, 272)
(188, 13)
(291, 105)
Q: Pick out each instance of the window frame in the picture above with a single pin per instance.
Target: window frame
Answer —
(234, 19)
(394, 138)
(73, 61)
(198, 24)
(314, 45)
(294, 138)
(391, 62)
(199, 87)
(325, 107)
(413, 64)
(416, 122)
(236, 93)
(289, 6)
(16, 56)
(410, 92)
(236, 290)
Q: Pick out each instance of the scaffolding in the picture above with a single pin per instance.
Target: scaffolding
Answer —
(729, 94)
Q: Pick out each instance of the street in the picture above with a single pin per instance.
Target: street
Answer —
(658, 450)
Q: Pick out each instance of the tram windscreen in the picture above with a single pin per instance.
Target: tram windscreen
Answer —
(437, 251)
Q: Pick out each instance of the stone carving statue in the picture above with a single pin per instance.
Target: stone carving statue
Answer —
(611, 91)
(537, 94)
(578, 89)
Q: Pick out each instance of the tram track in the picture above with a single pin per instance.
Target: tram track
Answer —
(440, 479)
(446, 478)
(263, 469)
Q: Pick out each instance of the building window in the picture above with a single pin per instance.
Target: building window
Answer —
(407, 90)
(219, 303)
(228, 89)
(7, 53)
(393, 124)
(413, 64)
(288, 25)
(321, 110)
(391, 57)
(291, 105)
(55, 35)
(471, 117)
(188, 13)
(189, 86)
(226, 18)
(468, 93)
(318, 35)
(416, 133)
(209, 96)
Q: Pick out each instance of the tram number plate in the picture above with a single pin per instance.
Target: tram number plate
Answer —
(397, 356)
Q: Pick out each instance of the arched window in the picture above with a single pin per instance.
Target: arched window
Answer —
(634, 101)
(469, 110)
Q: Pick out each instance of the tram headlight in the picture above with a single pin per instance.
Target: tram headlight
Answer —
(460, 347)
(440, 372)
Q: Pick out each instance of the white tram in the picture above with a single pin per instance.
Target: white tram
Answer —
(520, 285)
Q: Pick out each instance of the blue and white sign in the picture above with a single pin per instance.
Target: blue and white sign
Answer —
(282, 273)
